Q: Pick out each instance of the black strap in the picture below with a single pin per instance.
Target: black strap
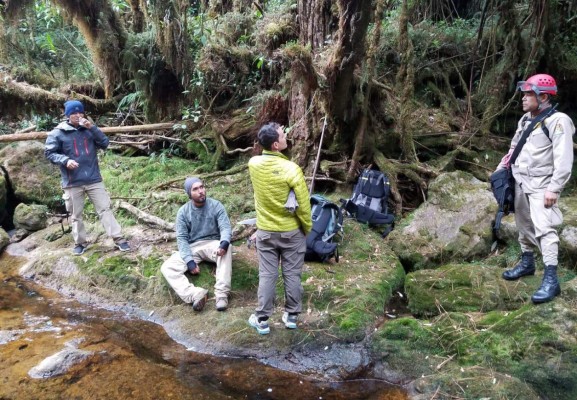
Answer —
(528, 131)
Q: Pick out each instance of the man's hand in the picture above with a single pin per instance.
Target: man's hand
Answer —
(71, 164)
(192, 268)
(550, 199)
(222, 249)
(85, 123)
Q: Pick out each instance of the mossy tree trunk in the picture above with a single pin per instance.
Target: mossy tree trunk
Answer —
(367, 84)
(170, 21)
(498, 80)
(349, 51)
(304, 112)
(104, 35)
(138, 11)
(405, 83)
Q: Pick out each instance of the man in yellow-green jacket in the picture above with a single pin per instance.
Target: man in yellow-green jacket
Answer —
(281, 235)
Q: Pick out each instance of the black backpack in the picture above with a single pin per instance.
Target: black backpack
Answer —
(503, 187)
(368, 203)
(327, 223)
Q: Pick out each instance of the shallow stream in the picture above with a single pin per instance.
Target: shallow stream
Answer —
(114, 356)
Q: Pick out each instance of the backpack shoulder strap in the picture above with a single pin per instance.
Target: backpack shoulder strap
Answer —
(544, 127)
(528, 131)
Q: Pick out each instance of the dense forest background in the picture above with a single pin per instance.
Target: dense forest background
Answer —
(398, 84)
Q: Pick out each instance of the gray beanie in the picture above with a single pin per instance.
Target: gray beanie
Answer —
(189, 182)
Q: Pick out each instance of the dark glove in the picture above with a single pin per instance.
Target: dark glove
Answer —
(192, 267)
(224, 245)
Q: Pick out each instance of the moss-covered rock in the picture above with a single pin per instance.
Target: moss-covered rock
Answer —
(4, 239)
(464, 288)
(3, 196)
(31, 217)
(33, 178)
(453, 225)
(527, 353)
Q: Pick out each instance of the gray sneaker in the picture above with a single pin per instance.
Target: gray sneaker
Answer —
(79, 250)
(123, 246)
(290, 320)
(261, 326)
(221, 303)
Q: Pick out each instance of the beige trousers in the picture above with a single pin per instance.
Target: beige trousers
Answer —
(536, 224)
(174, 268)
(74, 199)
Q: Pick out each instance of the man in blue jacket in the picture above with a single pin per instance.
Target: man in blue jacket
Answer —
(72, 145)
(203, 233)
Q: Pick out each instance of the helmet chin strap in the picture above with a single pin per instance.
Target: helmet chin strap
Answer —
(540, 104)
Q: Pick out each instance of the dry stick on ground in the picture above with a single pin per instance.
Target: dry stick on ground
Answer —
(147, 218)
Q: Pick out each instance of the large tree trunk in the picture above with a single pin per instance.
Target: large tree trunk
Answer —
(406, 86)
(303, 111)
(104, 35)
(314, 20)
(349, 50)
(362, 127)
(138, 11)
(499, 80)
(171, 37)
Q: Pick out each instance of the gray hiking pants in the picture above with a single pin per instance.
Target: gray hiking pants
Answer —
(74, 199)
(288, 248)
(536, 224)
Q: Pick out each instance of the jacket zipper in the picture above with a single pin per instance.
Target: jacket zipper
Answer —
(86, 145)
(76, 148)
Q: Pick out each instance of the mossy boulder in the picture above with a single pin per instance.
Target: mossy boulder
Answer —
(4, 239)
(3, 196)
(34, 179)
(528, 353)
(31, 217)
(464, 288)
(453, 225)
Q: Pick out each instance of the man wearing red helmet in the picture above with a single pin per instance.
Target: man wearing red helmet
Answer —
(541, 170)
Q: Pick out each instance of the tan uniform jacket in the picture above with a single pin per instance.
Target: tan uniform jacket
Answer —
(545, 162)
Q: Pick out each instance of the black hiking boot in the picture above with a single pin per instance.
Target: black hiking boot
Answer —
(549, 286)
(525, 267)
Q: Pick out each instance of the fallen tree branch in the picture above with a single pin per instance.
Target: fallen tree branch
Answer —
(154, 137)
(147, 218)
(17, 137)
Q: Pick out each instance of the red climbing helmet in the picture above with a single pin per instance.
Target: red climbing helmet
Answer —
(540, 83)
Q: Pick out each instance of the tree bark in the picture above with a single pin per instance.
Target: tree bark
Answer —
(314, 21)
(405, 81)
(369, 73)
(349, 51)
(104, 35)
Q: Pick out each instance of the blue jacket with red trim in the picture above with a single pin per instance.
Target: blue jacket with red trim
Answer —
(65, 142)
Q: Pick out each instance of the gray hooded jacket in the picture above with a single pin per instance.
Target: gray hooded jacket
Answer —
(66, 142)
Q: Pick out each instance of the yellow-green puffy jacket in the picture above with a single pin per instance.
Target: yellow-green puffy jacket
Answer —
(273, 176)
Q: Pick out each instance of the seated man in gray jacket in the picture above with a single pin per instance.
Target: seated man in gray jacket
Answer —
(203, 233)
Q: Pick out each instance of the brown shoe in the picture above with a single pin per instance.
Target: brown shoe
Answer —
(200, 300)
